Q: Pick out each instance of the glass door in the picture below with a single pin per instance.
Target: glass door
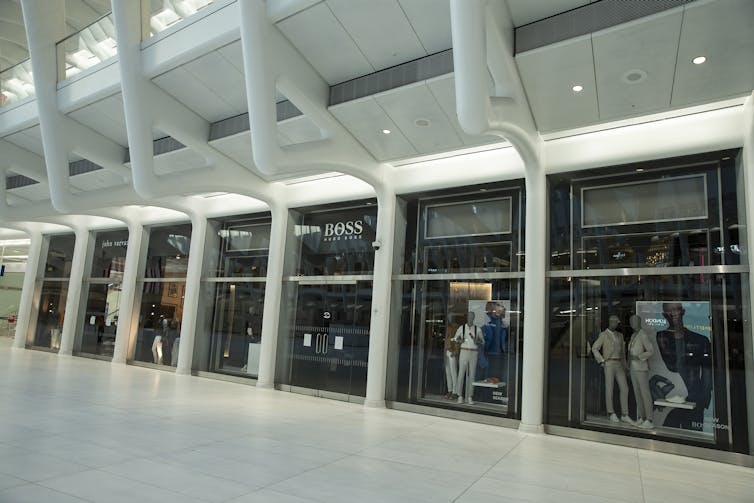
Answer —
(330, 337)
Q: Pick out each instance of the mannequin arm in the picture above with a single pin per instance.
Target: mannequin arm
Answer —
(596, 348)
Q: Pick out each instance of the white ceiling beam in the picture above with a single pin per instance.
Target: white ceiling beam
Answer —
(147, 106)
(22, 161)
(271, 63)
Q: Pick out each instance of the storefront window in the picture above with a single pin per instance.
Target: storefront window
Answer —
(237, 272)
(323, 348)
(460, 336)
(645, 338)
(162, 294)
(103, 289)
(54, 291)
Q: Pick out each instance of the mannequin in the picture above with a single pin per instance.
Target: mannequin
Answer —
(639, 351)
(470, 336)
(452, 348)
(613, 359)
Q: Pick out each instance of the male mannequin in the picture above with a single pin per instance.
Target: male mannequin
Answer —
(470, 336)
(613, 360)
(639, 351)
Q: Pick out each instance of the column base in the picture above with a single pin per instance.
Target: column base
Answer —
(374, 404)
(531, 428)
(65, 355)
(118, 361)
(265, 385)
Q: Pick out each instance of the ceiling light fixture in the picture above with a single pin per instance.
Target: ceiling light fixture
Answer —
(385, 131)
(577, 88)
(699, 60)
(421, 122)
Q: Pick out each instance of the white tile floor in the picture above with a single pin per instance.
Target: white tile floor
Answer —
(75, 430)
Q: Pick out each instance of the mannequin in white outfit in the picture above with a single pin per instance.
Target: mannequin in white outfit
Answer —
(470, 336)
(639, 351)
(610, 351)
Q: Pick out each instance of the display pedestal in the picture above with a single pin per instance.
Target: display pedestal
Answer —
(675, 405)
(252, 364)
(490, 392)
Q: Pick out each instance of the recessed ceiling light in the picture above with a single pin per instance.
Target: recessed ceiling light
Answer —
(386, 131)
(577, 88)
(421, 122)
(699, 60)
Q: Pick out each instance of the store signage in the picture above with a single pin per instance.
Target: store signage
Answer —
(337, 231)
(109, 244)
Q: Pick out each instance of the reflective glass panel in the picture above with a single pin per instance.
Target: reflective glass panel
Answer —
(59, 256)
(100, 320)
(167, 255)
(51, 313)
(159, 330)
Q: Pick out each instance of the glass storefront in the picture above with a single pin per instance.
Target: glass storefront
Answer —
(327, 298)
(647, 301)
(162, 292)
(96, 334)
(459, 339)
(236, 276)
(54, 291)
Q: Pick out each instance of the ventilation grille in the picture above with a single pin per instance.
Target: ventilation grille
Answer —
(437, 64)
(587, 19)
(18, 181)
(82, 166)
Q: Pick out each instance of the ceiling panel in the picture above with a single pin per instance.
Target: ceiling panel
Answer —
(222, 78)
(36, 192)
(299, 129)
(30, 139)
(525, 11)
(237, 147)
(187, 89)
(380, 29)
(444, 91)
(366, 119)
(233, 52)
(106, 117)
(431, 22)
(94, 180)
(644, 50)
(420, 118)
(723, 31)
(178, 160)
(548, 75)
(321, 39)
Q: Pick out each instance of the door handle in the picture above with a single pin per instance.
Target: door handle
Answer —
(317, 343)
(324, 345)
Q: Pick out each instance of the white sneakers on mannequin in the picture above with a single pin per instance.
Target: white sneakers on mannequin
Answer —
(614, 418)
(646, 424)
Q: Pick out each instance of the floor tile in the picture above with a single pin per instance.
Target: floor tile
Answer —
(32, 493)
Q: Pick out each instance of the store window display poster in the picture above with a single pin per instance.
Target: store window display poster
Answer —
(680, 367)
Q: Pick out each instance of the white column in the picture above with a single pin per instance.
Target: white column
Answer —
(27, 307)
(535, 302)
(74, 292)
(380, 323)
(191, 300)
(128, 293)
(272, 295)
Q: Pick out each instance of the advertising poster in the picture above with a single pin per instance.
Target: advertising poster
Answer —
(680, 368)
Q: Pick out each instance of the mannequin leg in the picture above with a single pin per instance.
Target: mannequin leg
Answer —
(620, 376)
(609, 385)
(451, 371)
(463, 365)
(473, 355)
(640, 382)
(635, 378)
